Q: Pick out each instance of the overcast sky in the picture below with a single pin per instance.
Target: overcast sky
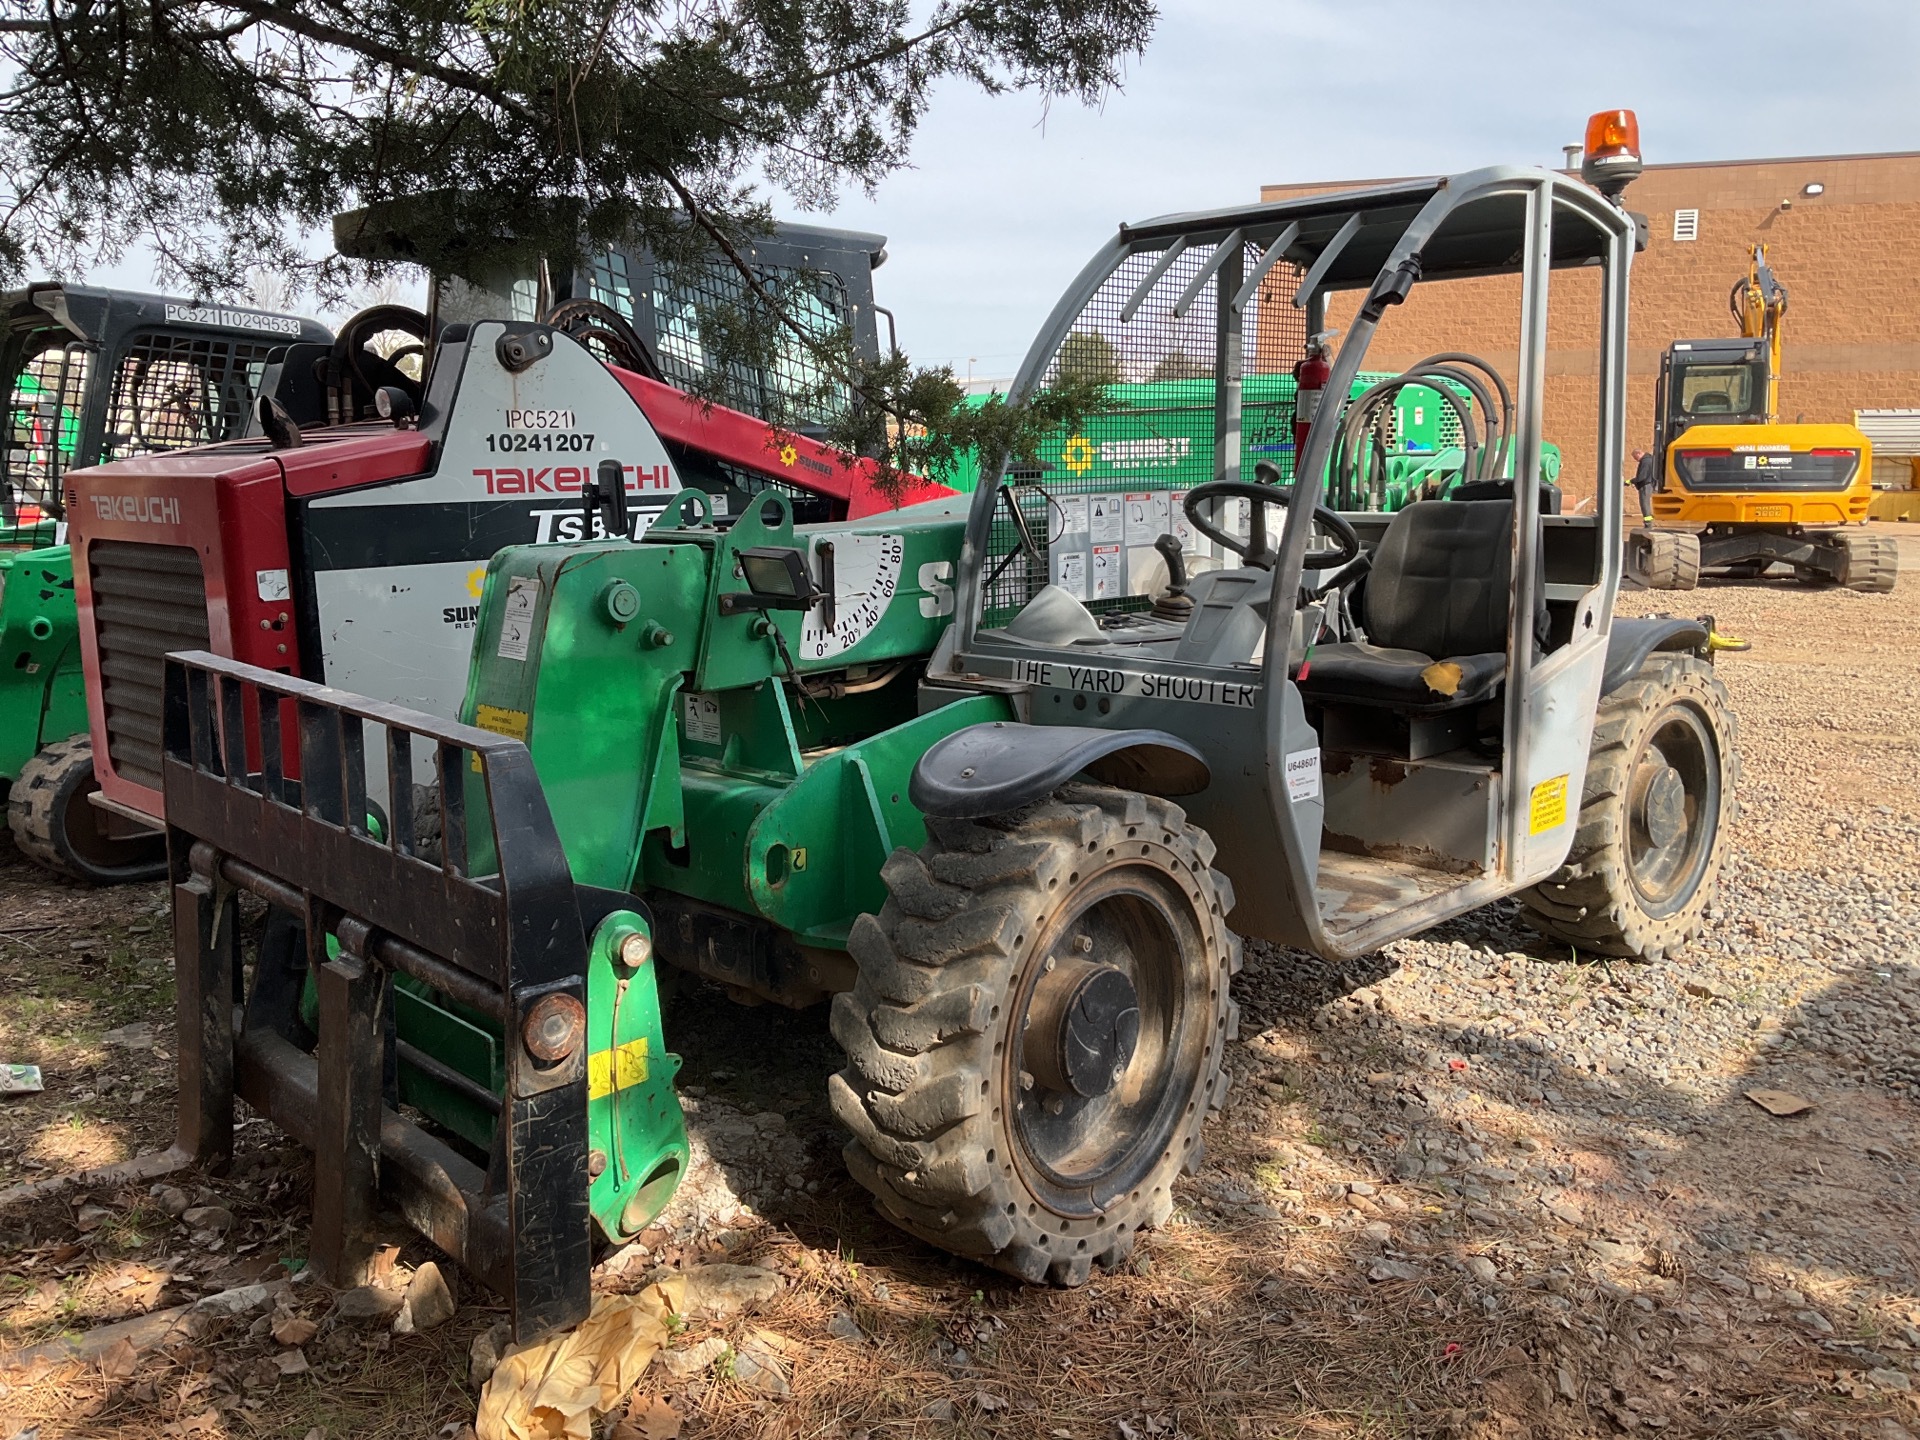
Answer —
(1006, 200)
(1005, 204)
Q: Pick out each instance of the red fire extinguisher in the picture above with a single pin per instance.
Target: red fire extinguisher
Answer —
(1310, 375)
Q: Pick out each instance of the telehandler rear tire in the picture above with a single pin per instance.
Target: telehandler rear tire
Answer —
(1037, 1031)
(1654, 815)
(1664, 559)
(56, 826)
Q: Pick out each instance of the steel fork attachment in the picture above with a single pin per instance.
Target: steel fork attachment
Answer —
(267, 777)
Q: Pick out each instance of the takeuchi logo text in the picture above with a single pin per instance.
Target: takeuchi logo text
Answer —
(137, 509)
(567, 479)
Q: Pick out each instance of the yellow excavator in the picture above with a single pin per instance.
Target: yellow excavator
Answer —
(1740, 492)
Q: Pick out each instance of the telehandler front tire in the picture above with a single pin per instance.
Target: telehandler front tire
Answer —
(1655, 813)
(1038, 1028)
(56, 826)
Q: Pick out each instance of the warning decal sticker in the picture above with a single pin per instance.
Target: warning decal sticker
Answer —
(1547, 808)
(516, 625)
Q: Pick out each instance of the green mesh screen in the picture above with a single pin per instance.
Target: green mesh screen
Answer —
(1087, 517)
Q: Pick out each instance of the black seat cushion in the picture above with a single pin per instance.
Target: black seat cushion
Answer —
(1402, 679)
(1438, 591)
(1439, 582)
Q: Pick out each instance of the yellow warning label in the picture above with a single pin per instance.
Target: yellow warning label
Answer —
(1547, 809)
(501, 721)
(621, 1068)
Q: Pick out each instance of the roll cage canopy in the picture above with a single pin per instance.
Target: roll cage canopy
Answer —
(1203, 313)
(1480, 243)
(1500, 220)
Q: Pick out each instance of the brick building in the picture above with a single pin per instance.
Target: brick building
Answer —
(1843, 235)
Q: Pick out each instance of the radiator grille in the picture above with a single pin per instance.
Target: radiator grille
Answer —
(148, 600)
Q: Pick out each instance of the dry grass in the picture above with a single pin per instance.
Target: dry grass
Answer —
(1226, 1327)
(1264, 1329)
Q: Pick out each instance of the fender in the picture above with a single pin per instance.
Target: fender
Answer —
(1632, 641)
(991, 768)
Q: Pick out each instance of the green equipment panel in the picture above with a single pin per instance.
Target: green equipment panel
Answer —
(1159, 435)
(42, 692)
(691, 740)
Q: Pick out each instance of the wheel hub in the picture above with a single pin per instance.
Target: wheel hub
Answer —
(1083, 1025)
(1663, 806)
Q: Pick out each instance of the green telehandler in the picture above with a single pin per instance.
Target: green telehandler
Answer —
(1006, 775)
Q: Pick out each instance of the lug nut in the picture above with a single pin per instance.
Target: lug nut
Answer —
(1026, 1081)
(554, 1027)
(597, 1163)
(1083, 943)
(636, 950)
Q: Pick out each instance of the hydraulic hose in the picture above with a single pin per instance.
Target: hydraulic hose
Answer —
(1440, 372)
(1357, 424)
(1460, 357)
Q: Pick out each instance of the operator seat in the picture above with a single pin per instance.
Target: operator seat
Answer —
(1712, 402)
(1435, 613)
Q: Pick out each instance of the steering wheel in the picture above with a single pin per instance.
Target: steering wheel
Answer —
(1254, 550)
(355, 372)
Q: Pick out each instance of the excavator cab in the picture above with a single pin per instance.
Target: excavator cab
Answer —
(1717, 382)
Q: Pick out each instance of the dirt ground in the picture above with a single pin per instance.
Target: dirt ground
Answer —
(1464, 1188)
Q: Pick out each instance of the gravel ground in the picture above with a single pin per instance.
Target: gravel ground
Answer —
(1465, 1187)
(1566, 1128)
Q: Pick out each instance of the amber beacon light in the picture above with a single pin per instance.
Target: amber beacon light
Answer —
(1612, 158)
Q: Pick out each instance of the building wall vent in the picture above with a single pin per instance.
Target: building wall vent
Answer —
(1686, 225)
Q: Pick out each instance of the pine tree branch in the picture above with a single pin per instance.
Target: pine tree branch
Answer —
(905, 45)
(369, 48)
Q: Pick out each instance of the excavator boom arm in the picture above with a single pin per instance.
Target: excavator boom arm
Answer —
(1759, 304)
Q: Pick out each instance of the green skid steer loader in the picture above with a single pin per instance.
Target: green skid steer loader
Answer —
(1006, 775)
